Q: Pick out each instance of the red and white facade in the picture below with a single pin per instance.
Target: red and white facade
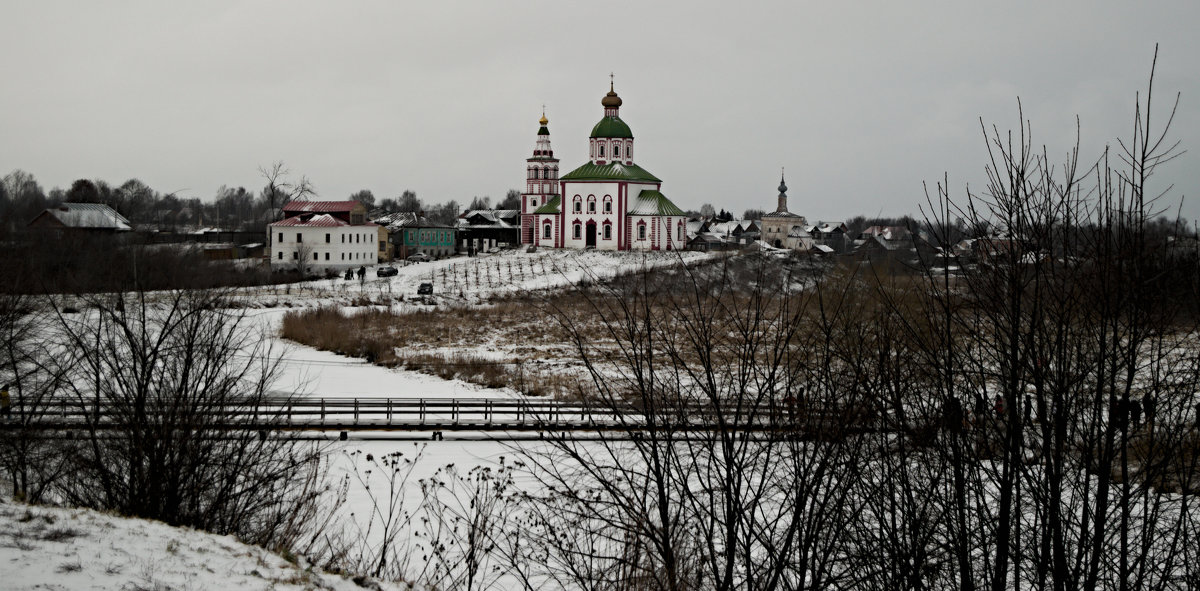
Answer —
(541, 182)
(610, 203)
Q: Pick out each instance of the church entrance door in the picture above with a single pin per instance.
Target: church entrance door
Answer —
(591, 235)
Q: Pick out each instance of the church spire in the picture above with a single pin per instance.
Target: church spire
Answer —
(782, 194)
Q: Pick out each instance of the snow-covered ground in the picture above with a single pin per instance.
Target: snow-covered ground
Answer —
(468, 279)
(52, 548)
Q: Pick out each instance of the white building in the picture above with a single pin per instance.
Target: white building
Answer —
(315, 236)
(784, 229)
(609, 203)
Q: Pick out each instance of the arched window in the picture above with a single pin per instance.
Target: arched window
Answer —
(601, 150)
(608, 204)
(546, 172)
(546, 231)
(679, 233)
(591, 204)
(641, 231)
(577, 230)
(578, 207)
(608, 231)
(616, 150)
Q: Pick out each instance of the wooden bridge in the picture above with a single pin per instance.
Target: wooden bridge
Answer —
(410, 414)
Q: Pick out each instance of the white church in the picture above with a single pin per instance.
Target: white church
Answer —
(609, 203)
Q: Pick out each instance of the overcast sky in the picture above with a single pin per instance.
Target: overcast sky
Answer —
(861, 102)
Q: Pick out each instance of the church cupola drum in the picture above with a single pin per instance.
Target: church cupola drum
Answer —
(610, 203)
(541, 181)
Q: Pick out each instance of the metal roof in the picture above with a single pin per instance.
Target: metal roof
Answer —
(319, 206)
(650, 202)
(89, 215)
(614, 171)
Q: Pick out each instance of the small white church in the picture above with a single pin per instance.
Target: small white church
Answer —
(609, 203)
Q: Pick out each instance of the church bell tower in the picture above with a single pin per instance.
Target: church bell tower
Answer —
(541, 180)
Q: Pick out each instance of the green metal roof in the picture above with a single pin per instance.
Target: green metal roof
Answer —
(613, 171)
(550, 206)
(611, 127)
(543, 131)
(650, 202)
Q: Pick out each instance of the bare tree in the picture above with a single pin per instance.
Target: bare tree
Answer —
(174, 382)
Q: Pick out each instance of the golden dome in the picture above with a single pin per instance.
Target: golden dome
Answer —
(611, 99)
(543, 120)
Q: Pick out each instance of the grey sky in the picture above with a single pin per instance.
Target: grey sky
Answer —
(860, 101)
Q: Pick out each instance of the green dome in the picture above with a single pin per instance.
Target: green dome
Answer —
(611, 127)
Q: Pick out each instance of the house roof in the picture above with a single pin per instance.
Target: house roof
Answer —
(650, 202)
(781, 214)
(401, 219)
(88, 216)
(550, 206)
(888, 232)
(798, 232)
(500, 218)
(301, 206)
(613, 171)
(320, 220)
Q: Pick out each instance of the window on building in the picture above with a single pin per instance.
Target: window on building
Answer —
(281, 255)
(546, 231)
(578, 204)
(299, 237)
(327, 256)
(608, 231)
(601, 150)
(578, 231)
(641, 231)
(343, 256)
(281, 236)
(327, 239)
(679, 233)
(316, 257)
(607, 205)
(295, 256)
(591, 207)
(617, 151)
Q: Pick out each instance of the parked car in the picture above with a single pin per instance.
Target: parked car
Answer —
(425, 289)
(420, 257)
(387, 272)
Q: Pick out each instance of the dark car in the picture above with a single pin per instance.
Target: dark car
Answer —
(420, 257)
(425, 289)
(387, 272)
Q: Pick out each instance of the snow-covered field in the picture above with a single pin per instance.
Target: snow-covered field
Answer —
(469, 280)
(52, 548)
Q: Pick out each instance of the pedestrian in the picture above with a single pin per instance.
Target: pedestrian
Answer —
(1150, 405)
(5, 403)
(362, 272)
(952, 415)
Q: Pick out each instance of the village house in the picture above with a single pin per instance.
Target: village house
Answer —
(480, 230)
(323, 235)
(412, 233)
(92, 218)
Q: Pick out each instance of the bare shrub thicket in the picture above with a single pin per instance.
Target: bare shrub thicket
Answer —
(162, 391)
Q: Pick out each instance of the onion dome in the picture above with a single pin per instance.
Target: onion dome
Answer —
(611, 100)
(543, 120)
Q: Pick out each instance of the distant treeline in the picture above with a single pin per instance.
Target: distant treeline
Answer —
(232, 208)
